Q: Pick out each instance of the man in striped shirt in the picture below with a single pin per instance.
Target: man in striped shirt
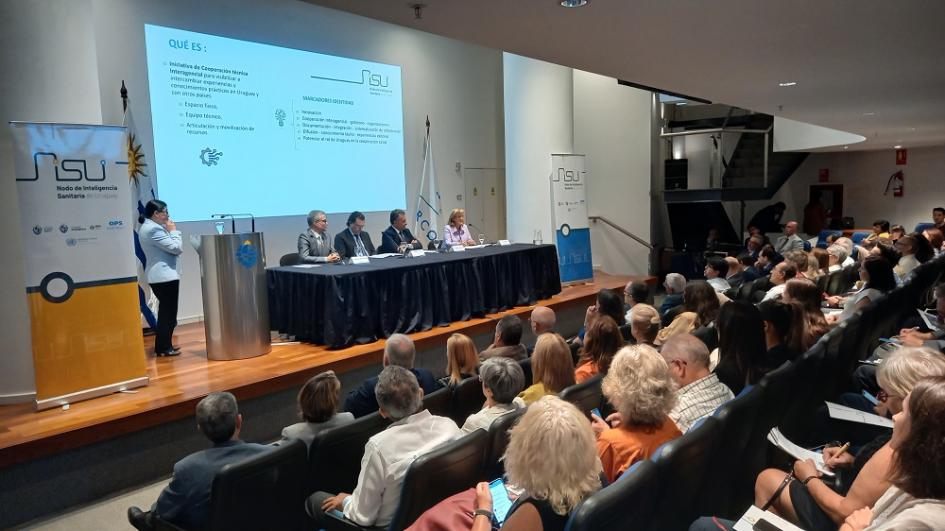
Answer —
(700, 391)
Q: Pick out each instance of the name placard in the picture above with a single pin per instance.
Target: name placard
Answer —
(458, 248)
(417, 253)
(504, 242)
(360, 260)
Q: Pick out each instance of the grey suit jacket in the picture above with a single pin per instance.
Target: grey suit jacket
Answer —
(161, 249)
(311, 250)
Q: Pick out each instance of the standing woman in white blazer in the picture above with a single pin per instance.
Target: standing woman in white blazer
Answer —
(161, 243)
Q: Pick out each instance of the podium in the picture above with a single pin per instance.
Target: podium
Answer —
(235, 295)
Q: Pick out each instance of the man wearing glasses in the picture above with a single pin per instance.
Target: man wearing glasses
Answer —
(314, 244)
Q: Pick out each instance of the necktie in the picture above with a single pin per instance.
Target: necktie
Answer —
(401, 236)
(361, 250)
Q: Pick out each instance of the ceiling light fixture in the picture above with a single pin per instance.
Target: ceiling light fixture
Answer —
(787, 84)
(897, 146)
(846, 147)
(573, 3)
(869, 114)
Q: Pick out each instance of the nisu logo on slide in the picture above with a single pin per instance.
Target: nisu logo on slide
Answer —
(375, 80)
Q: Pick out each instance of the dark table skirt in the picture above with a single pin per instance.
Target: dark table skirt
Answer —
(340, 304)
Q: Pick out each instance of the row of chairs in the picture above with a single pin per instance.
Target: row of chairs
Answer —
(711, 469)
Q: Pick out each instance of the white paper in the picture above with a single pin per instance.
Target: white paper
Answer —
(782, 442)
(306, 266)
(385, 255)
(931, 321)
(840, 412)
(478, 246)
(753, 514)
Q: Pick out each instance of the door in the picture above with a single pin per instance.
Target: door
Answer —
(485, 202)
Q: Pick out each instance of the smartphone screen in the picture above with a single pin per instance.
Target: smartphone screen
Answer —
(596, 411)
(500, 500)
(764, 525)
(871, 398)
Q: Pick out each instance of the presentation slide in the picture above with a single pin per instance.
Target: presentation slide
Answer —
(243, 127)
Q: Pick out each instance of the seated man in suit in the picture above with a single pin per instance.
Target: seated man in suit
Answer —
(314, 245)
(397, 238)
(185, 502)
(389, 454)
(508, 340)
(399, 351)
(789, 241)
(354, 241)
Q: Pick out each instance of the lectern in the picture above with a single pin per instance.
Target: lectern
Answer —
(235, 295)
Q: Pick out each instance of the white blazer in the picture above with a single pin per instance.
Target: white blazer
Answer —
(161, 249)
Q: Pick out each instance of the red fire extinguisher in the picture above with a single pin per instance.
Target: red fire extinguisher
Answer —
(895, 183)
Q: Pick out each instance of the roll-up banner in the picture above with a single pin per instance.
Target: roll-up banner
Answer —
(569, 214)
(81, 281)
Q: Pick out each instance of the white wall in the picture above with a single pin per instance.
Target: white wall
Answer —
(538, 122)
(49, 74)
(612, 127)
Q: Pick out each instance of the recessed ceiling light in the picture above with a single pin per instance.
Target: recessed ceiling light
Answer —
(787, 84)
(897, 146)
(869, 114)
(846, 147)
(573, 3)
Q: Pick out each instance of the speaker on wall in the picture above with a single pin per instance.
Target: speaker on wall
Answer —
(677, 174)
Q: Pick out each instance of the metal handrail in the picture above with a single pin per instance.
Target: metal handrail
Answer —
(632, 236)
(715, 130)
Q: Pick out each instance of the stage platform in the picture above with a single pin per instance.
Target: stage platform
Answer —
(177, 384)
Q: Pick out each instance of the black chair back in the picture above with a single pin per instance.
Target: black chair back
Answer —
(682, 464)
(467, 399)
(335, 454)
(526, 366)
(628, 503)
(731, 495)
(438, 402)
(289, 259)
(585, 395)
(438, 474)
(498, 441)
(264, 492)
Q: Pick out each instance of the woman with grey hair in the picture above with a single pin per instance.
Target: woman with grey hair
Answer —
(502, 381)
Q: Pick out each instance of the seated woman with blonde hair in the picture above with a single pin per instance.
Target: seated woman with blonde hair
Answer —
(645, 324)
(318, 406)
(640, 387)
(456, 232)
(461, 360)
(552, 368)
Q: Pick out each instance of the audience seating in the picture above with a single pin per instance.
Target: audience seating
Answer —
(922, 226)
(807, 246)
(859, 236)
(439, 402)
(585, 395)
(435, 476)
(289, 259)
(467, 399)
(730, 495)
(824, 234)
(629, 503)
(498, 441)
(839, 282)
(335, 454)
(526, 366)
(263, 492)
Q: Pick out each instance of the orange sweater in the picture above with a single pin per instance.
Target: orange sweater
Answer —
(619, 448)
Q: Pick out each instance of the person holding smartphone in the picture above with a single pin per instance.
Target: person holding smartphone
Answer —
(161, 242)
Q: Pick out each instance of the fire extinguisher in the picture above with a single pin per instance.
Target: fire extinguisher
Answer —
(895, 183)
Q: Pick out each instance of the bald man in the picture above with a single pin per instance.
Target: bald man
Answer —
(542, 320)
(790, 241)
(700, 391)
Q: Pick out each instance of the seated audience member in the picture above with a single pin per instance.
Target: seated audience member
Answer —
(800, 261)
(767, 259)
(552, 368)
(934, 339)
(674, 284)
(716, 269)
(880, 231)
(354, 241)
(808, 296)
(699, 391)
(645, 325)
(736, 272)
(915, 498)
(399, 351)
(748, 266)
(387, 455)
(502, 381)
(634, 293)
(936, 238)
(779, 276)
(818, 263)
(643, 393)
(784, 331)
(915, 250)
(507, 341)
(753, 246)
(847, 245)
(456, 232)
(554, 482)
(699, 309)
(938, 218)
(185, 502)
(607, 303)
(461, 360)
(811, 503)
(397, 238)
(887, 251)
(742, 355)
(542, 321)
(318, 406)
(836, 256)
(789, 241)
(601, 343)
(314, 245)
(877, 276)
(896, 232)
